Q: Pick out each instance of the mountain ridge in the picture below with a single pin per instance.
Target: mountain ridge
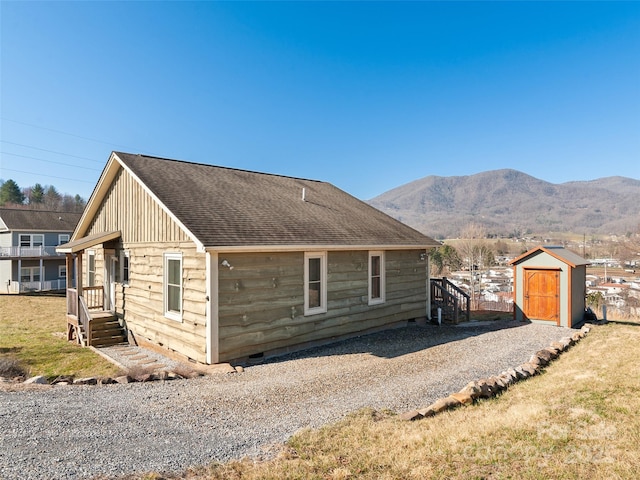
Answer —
(509, 201)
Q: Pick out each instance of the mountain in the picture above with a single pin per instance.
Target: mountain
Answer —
(511, 202)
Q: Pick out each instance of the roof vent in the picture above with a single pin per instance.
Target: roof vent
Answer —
(304, 194)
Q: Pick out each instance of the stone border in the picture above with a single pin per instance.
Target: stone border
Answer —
(492, 386)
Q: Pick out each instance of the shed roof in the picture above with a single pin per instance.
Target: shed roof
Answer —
(226, 207)
(38, 220)
(561, 253)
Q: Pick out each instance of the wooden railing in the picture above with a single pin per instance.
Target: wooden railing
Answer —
(94, 297)
(29, 252)
(84, 318)
(451, 299)
(80, 306)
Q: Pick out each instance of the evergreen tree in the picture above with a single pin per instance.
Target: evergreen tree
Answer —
(37, 194)
(10, 193)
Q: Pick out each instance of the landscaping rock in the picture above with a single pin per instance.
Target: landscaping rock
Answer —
(38, 380)
(545, 357)
(567, 342)
(487, 388)
(411, 416)
(64, 379)
(444, 404)
(463, 398)
(124, 379)
(472, 389)
(530, 369)
(86, 381)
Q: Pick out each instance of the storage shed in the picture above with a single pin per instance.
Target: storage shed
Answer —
(549, 286)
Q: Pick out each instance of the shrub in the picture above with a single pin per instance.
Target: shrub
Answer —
(11, 368)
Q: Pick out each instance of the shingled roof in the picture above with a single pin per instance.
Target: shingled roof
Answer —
(38, 220)
(229, 207)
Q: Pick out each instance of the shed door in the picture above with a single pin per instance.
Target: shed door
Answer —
(542, 295)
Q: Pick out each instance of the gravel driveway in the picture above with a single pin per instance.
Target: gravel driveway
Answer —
(68, 432)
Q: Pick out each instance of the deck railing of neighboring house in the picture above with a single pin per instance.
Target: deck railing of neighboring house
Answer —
(30, 252)
(451, 299)
(37, 286)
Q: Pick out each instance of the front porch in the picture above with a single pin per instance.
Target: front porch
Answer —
(88, 323)
(91, 318)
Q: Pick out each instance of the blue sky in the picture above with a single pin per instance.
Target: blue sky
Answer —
(367, 96)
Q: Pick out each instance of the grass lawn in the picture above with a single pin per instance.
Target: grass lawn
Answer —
(580, 419)
(33, 332)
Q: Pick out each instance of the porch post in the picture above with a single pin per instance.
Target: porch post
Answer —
(69, 271)
(19, 274)
(41, 272)
(79, 279)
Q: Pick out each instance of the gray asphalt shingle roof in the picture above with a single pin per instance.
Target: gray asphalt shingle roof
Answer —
(229, 207)
(38, 220)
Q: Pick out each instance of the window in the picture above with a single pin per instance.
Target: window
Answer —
(91, 268)
(35, 240)
(30, 274)
(315, 283)
(376, 278)
(173, 286)
(63, 238)
(62, 271)
(124, 267)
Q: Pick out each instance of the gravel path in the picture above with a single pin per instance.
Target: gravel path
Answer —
(72, 432)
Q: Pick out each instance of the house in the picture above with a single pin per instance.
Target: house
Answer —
(28, 258)
(220, 264)
(549, 286)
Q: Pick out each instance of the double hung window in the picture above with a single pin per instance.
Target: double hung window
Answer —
(315, 283)
(376, 278)
(173, 286)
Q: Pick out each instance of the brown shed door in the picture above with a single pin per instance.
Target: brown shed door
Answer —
(541, 295)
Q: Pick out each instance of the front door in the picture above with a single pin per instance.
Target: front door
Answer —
(542, 295)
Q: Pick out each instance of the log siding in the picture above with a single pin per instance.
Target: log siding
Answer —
(261, 300)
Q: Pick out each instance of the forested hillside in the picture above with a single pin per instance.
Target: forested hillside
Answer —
(39, 197)
(509, 202)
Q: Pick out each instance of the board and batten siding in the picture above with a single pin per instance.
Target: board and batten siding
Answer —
(148, 232)
(261, 300)
(129, 208)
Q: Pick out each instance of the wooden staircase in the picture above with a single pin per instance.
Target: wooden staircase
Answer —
(454, 303)
(105, 330)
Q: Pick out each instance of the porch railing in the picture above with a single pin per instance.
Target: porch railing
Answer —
(451, 299)
(94, 297)
(80, 307)
(31, 252)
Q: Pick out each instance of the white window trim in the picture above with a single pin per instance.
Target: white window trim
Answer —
(323, 283)
(125, 254)
(381, 299)
(62, 271)
(64, 236)
(91, 253)
(177, 316)
(31, 272)
(31, 237)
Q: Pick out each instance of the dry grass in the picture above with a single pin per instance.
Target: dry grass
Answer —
(33, 339)
(581, 419)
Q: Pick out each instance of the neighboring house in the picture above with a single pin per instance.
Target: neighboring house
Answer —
(220, 264)
(28, 258)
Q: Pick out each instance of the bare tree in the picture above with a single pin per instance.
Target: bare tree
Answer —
(473, 249)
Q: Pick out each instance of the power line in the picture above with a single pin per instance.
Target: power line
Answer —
(67, 133)
(51, 151)
(49, 161)
(48, 176)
